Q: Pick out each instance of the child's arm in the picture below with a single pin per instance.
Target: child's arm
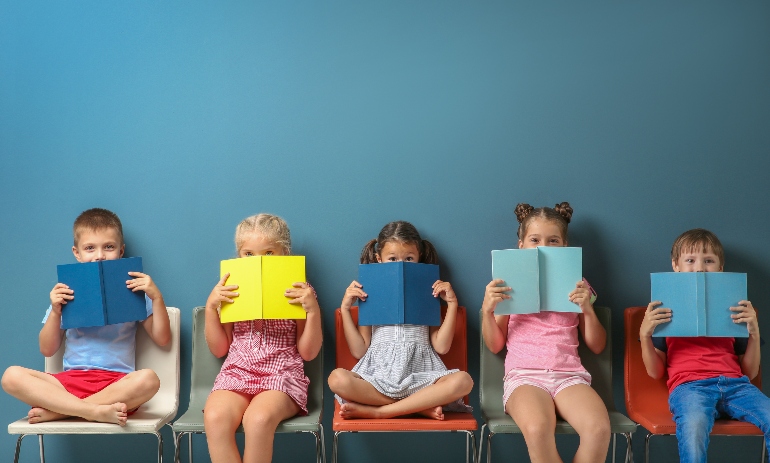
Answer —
(219, 335)
(441, 337)
(157, 324)
(309, 333)
(745, 313)
(358, 338)
(494, 328)
(590, 327)
(51, 334)
(654, 359)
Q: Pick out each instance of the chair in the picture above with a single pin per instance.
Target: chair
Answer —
(205, 367)
(150, 417)
(600, 367)
(457, 357)
(647, 398)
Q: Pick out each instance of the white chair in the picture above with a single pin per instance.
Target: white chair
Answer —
(150, 417)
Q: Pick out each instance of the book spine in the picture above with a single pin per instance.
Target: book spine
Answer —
(700, 300)
(401, 295)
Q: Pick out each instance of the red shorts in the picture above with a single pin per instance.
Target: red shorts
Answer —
(84, 383)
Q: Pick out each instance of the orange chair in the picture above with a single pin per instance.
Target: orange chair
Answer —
(647, 398)
(457, 357)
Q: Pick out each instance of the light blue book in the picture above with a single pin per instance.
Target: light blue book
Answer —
(700, 303)
(541, 278)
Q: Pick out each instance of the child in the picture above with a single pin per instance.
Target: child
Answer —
(399, 372)
(262, 381)
(543, 374)
(98, 382)
(708, 377)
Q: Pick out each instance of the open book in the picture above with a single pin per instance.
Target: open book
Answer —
(399, 293)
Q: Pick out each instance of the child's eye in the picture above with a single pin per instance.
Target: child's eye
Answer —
(110, 247)
(249, 254)
(269, 253)
(391, 259)
(409, 259)
(89, 248)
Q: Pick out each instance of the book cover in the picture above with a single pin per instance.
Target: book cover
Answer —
(262, 282)
(101, 295)
(399, 293)
(540, 278)
(700, 303)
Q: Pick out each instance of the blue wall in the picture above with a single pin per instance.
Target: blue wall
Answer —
(185, 117)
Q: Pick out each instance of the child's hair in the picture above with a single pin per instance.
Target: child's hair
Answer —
(402, 232)
(560, 214)
(696, 239)
(96, 219)
(269, 225)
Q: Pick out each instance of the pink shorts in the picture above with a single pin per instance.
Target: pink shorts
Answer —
(84, 383)
(551, 381)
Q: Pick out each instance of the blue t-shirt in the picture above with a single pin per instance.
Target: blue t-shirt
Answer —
(110, 347)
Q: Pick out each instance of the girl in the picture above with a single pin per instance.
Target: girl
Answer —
(262, 381)
(399, 372)
(544, 376)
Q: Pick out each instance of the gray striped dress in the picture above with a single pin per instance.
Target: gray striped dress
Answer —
(400, 361)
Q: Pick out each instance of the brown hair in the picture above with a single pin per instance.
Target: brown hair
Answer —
(269, 225)
(696, 239)
(96, 219)
(402, 232)
(561, 214)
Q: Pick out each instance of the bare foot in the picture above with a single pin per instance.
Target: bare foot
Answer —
(115, 413)
(350, 410)
(41, 415)
(435, 413)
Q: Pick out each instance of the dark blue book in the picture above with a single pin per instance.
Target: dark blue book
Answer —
(700, 303)
(101, 295)
(399, 293)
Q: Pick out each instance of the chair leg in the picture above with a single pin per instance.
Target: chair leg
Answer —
(647, 448)
(629, 449)
(489, 446)
(472, 437)
(481, 443)
(334, 446)
(177, 443)
(323, 444)
(614, 445)
(764, 450)
(189, 448)
(18, 448)
(160, 446)
(42, 448)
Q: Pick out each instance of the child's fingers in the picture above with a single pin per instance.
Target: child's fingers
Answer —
(224, 279)
(138, 274)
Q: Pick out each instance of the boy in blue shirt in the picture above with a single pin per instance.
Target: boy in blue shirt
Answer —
(98, 382)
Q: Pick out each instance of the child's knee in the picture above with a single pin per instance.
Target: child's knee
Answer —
(537, 428)
(259, 421)
(13, 379)
(339, 380)
(147, 382)
(464, 382)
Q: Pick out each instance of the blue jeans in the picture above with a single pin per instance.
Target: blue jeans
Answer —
(695, 406)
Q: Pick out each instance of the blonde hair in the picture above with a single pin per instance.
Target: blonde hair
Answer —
(268, 225)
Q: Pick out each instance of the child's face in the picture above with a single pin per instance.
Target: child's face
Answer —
(396, 251)
(542, 233)
(96, 245)
(697, 260)
(260, 245)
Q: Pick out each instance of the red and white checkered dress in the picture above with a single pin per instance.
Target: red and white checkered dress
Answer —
(263, 357)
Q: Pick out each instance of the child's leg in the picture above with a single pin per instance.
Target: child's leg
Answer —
(693, 405)
(45, 393)
(584, 410)
(445, 390)
(266, 410)
(533, 410)
(222, 415)
(353, 388)
(745, 402)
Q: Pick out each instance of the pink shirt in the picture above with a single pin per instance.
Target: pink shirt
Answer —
(543, 341)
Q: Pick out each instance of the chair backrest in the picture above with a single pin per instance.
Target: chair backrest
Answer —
(642, 391)
(164, 361)
(598, 365)
(457, 357)
(205, 368)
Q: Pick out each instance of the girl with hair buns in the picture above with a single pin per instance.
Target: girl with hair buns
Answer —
(399, 371)
(543, 374)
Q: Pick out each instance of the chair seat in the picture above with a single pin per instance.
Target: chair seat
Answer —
(501, 423)
(192, 421)
(138, 423)
(453, 421)
(660, 422)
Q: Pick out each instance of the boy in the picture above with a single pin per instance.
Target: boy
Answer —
(708, 377)
(99, 382)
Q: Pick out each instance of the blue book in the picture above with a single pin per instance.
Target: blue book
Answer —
(700, 303)
(540, 278)
(399, 293)
(101, 295)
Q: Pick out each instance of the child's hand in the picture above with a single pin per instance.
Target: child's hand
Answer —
(60, 294)
(745, 313)
(493, 295)
(353, 292)
(444, 289)
(143, 282)
(221, 293)
(581, 296)
(303, 294)
(652, 318)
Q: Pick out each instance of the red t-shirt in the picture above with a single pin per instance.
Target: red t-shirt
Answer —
(693, 359)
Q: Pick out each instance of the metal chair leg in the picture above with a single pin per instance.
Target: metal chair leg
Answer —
(764, 450)
(42, 448)
(629, 448)
(18, 448)
(189, 448)
(474, 450)
(160, 446)
(614, 445)
(323, 444)
(489, 446)
(334, 446)
(647, 448)
(177, 442)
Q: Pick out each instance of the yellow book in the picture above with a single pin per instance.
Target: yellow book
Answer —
(262, 281)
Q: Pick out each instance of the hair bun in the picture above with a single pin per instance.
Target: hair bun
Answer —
(523, 210)
(564, 209)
